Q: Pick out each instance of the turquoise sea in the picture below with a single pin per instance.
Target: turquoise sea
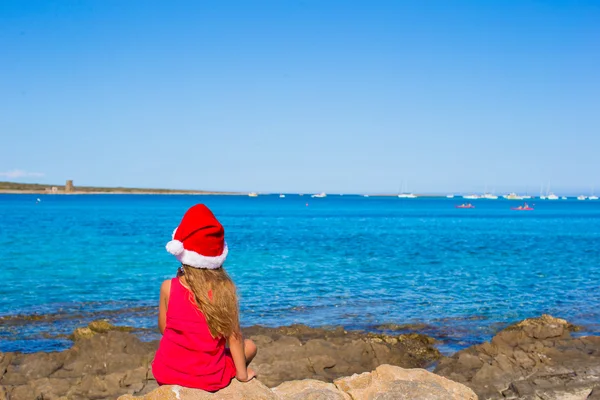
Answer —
(341, 260)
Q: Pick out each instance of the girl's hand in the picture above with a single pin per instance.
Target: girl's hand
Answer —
(249, 376)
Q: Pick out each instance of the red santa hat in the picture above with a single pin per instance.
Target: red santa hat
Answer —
(199, 240)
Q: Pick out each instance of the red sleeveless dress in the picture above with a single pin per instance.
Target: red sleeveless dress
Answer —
(187, 354)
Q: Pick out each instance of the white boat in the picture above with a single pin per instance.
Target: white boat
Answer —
(281, 196)
(593, 198)
(526, 197)
(450, 196)
(319, 195)
(582, 197)
(403, 193)
(542, 197)
(513, 196)
(471, 197)
(563, 198)
(253, 194)
(552, 196)
(489, 196)
(365, 195)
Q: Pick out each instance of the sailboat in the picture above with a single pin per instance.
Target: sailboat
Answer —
(488, 195)
(404, 195)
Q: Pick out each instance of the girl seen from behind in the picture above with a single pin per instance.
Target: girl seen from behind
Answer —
(198, 311)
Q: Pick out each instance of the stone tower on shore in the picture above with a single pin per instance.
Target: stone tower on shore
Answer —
(69, 186)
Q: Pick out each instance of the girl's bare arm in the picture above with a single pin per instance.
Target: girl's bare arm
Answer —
(236, 346)
(163, 304)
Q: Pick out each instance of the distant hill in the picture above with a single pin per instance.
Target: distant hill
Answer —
(15, 187)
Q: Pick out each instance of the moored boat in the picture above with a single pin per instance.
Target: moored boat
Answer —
(513, 196)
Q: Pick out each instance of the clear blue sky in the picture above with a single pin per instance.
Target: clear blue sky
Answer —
(336, 96)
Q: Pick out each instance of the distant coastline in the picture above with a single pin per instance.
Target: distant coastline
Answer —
(36, 188)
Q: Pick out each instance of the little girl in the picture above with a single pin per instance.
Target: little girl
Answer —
(198, 311)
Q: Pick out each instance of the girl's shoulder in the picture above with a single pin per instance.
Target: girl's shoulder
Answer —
(165, 288)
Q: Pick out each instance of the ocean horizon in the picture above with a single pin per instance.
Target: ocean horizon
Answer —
(351, 261)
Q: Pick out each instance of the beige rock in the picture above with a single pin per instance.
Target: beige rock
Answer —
(388, 382)
(103, 326)
(253, 390)
(309, 389)
(82, 333)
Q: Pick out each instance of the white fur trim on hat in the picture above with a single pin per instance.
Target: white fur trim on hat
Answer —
(194, 259)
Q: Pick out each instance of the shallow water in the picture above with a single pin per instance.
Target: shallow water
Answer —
(351, 261)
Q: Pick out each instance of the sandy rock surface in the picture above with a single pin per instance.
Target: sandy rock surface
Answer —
(387, 382)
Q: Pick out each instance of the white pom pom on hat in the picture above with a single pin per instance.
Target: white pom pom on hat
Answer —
(175, 247)
(199, 240)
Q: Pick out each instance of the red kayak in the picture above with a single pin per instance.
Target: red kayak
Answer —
(465, 206)
(522, 208)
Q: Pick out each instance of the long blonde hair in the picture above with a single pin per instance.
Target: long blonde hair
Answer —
(215, 295)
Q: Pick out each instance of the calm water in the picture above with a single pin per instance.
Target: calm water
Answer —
(351, 261)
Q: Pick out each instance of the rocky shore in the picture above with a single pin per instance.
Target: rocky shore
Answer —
(534, 359)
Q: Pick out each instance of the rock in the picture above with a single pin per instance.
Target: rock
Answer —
(594, 395)
(98, 326)
(104, 366)
(335, 354)
(543, 327)
(113, 363)
(103, 326)
(41, 388)
(253, 390)
(395, 383)
(24, 368)
(5, 360)
(309, 389)
(534, 359)
(387, 382)
(81, 333)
